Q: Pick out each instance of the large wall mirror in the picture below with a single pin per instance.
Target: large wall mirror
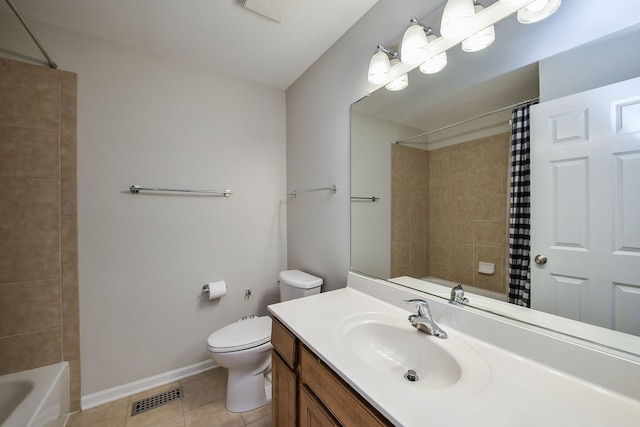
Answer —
(431, 172)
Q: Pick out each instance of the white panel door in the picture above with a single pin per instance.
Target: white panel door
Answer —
(585, 206)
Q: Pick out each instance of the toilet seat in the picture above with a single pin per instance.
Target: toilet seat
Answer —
(241, 335)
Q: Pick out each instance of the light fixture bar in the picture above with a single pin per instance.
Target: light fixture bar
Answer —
(427, 30)
(484, 18)
(392, 53)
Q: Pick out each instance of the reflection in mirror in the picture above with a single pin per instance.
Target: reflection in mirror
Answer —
(441, 217)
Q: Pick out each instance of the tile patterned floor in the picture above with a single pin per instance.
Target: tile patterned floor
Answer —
(202, 405)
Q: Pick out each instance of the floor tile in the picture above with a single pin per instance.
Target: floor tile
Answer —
(259, 413)
(262, 422)
(204, 388)
(213, 415)
(112, 414)
(202, 405)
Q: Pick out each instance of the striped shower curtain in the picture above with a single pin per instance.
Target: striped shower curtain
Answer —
(519, 210)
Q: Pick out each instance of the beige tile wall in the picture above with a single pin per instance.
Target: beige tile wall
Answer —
(39, 322)
(468, 187)
(409, 212)
(449, 211)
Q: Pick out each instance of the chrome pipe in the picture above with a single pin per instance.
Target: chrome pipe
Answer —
(31, 33)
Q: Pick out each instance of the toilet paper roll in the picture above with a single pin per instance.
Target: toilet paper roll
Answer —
(216, 289)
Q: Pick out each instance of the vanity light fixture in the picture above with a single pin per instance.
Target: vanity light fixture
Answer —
(458, 19)
(398, 83)
(435, 63)
(415, 46)
(480, 40)
(460, 22)
(380, 66)
(538, 10)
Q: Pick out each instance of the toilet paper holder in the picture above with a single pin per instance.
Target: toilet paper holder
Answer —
(215, 290)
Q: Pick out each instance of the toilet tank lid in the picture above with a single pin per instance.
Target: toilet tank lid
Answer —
(299, 279)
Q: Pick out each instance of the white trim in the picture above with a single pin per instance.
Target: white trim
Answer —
(124, 390)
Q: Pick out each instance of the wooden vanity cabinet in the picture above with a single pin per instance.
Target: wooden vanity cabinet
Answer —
(307, 393)
(284, 378)
(312, 412)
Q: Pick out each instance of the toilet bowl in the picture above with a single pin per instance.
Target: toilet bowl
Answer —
(244, 347)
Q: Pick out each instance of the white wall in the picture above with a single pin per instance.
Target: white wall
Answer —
(318, 143)
(609, 60)
(371, 141)
(154, 121)
(318, 111)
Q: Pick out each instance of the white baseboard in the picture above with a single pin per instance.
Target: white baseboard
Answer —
(124, 390)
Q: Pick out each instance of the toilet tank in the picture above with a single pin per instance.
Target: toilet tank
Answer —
(297, 284)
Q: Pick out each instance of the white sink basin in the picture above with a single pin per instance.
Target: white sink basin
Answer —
(389, 346)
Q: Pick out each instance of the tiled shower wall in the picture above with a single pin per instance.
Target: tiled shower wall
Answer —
(39, 322)
(468, 199)
(465, 213)
(409, 211)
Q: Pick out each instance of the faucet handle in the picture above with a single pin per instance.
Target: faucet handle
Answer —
(457, 296)
(419, 303)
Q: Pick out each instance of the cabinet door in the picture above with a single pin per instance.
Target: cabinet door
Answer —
(285, 343)
(285, 385)
(312, 412)
(343, 402)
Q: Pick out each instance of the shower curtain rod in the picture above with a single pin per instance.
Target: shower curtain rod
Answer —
(33, 36)
(526, 102)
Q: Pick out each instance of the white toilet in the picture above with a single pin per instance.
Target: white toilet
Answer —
(244, 347)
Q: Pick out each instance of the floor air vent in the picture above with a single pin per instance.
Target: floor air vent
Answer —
(149, 403)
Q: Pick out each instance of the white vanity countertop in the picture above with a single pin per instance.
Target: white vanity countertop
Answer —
(519, 392)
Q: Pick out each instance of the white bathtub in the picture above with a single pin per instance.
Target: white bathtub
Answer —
(35, 398)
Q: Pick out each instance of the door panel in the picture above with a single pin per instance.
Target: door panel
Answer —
(585, 206)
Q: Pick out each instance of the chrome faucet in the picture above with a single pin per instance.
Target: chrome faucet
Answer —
(457, 296)
(424, 322)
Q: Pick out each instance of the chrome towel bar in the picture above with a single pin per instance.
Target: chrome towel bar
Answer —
(135, 189)
(366, 199)
(294, 193)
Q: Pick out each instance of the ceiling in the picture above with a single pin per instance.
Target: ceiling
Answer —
(220, 34)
